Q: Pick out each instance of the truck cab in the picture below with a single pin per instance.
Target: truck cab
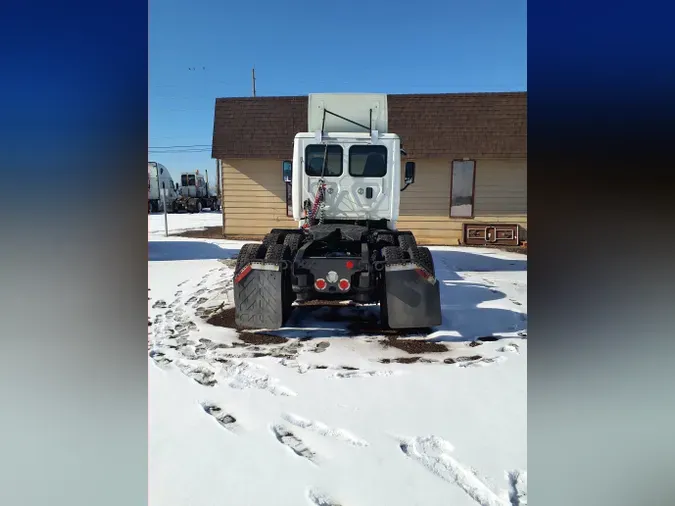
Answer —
(159, 179)
(192, 184)
(351, 157)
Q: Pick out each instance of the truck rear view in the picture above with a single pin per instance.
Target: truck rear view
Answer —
(346, 184)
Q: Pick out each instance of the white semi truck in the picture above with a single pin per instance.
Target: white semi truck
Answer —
(195, 193)
(346, 183)
(159, 175)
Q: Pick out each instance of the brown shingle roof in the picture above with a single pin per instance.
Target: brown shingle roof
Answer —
(466, 124)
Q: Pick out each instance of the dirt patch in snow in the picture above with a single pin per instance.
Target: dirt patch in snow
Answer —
(225, 318)
(415, 347)
(204, 233)
(259, 338)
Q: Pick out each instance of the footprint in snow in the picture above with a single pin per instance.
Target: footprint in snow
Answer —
(224, 419)
(160, 304)
(361, 374)
(324, 430)
(159, 358)
(290, 440)
(188, 352)
(509, 348)
(318, 498)
(434, 453)
(517, 487)
(321, 347)
(199, 374)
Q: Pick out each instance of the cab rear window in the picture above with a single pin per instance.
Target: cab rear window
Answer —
(368, 161)
(314, 156)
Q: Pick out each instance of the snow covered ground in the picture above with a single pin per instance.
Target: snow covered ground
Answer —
(324, 413)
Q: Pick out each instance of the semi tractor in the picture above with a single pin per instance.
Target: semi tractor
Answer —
(194, 193)
(345, 179)
(159, 178)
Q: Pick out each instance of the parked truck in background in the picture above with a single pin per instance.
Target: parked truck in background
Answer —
(195, 194)
(345, 182)
(158, 174)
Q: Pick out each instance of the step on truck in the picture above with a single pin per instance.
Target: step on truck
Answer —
(194, 194)
(345, 179)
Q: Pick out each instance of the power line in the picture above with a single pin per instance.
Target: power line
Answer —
(183, 146)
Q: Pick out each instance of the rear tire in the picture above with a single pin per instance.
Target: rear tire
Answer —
(386, 239)
(272, 238)
(422, 257)
(392, 255)
(247, 254)
(406, 241)
(293, 241)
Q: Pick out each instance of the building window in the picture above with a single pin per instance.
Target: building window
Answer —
(462, 185)
(289, 201)
(368, 161)
(314, 154)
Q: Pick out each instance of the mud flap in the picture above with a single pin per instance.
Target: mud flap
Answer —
(261, 298)
(413, 297)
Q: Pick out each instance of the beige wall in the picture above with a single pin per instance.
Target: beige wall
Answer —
(500, 196)
(254, 198)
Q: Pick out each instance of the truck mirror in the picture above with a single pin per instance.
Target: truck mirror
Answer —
(409, 172)
(176, 186)
(287, 170)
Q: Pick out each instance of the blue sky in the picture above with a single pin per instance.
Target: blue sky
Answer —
(316, 47)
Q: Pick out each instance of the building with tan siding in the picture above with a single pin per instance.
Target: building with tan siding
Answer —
(470, 151)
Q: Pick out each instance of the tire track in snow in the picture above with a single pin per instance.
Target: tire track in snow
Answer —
(324, 430)
(434, 454)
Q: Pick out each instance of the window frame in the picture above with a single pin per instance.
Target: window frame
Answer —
(378, 146)
(342, 159)
(473, 189)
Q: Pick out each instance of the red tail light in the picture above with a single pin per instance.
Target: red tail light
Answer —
(344, 285)
(350, 264)
(320, 284)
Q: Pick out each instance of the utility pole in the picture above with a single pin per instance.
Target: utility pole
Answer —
(253, 79)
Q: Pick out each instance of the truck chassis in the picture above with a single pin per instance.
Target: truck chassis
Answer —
(195, 204)
(364, 263)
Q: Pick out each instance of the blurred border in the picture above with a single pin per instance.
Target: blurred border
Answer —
(73, 365)
(601, 253)
(74, 272)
